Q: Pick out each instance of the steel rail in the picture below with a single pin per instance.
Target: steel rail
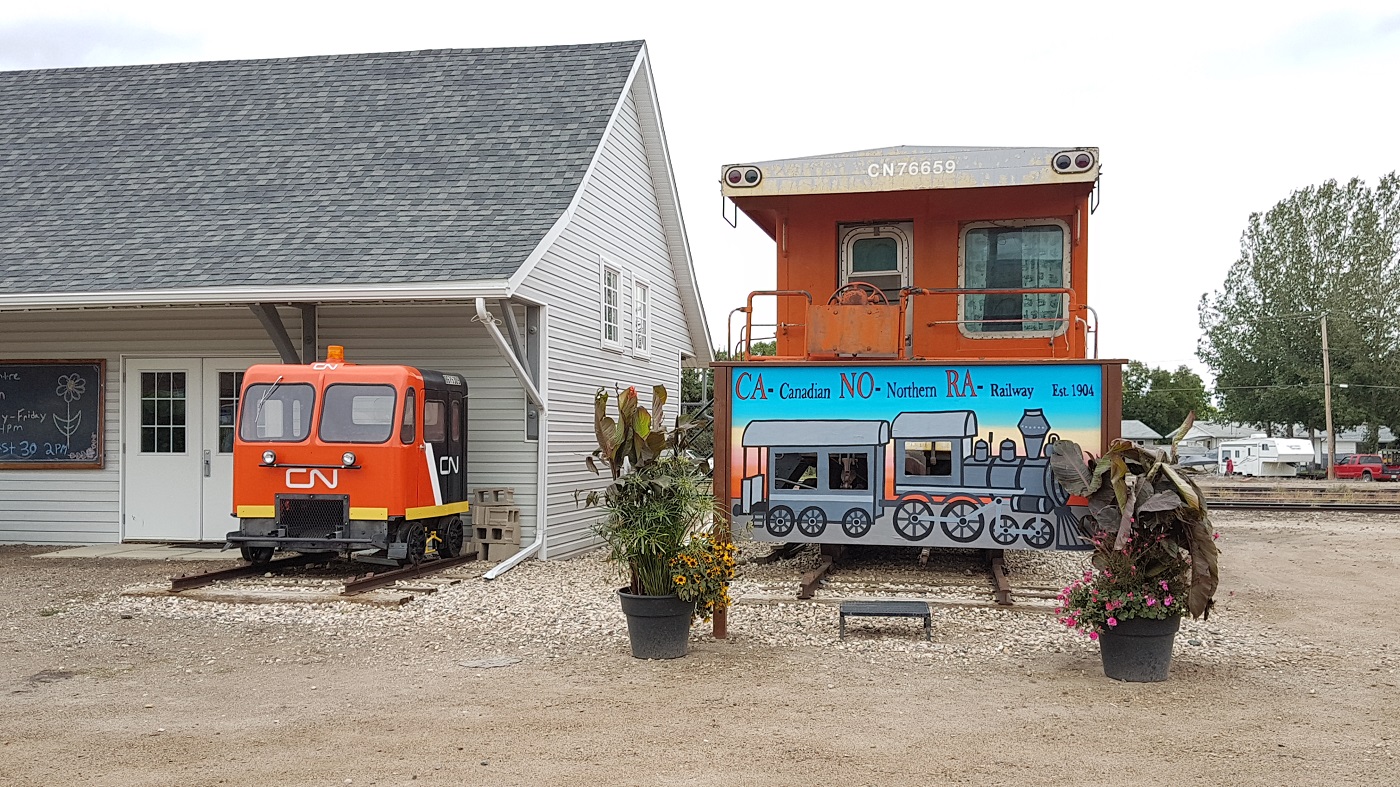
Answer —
(1276, 505)
(188, 581)
(373, 581)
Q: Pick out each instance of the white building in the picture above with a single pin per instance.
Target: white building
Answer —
(509, 214)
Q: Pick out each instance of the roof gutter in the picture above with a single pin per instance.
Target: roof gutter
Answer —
(493, 329)
(202, 296)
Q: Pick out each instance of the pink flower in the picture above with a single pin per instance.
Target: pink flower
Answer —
(1163, 583)
(1113, 621)
(1093, 635)
(1151, 602)
(1168, 601)
(1215, 536)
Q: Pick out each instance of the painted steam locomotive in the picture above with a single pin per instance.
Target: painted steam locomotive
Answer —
(940, 474)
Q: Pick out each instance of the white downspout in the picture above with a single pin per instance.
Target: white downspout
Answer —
(493, 328)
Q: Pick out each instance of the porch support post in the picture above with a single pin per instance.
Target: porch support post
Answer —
(276, 331)
(310, 348)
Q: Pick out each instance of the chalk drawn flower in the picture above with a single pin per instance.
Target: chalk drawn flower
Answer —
(71, 387)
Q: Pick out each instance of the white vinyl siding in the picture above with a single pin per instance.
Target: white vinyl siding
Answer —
(617, 215)
(82, 506)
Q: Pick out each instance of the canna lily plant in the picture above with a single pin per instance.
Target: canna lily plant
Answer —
(659, 500)
(1154, 545)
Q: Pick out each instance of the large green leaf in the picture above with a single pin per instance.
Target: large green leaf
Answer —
(1070, 469)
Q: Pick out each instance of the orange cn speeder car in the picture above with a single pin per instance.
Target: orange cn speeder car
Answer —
(366, 461)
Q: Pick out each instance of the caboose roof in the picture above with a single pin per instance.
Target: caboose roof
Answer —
(909, 168)
(383, 176)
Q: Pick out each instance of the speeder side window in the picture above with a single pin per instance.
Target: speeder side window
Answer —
(354, 413)
(276, 413)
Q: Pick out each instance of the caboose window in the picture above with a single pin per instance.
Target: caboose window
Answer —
(877, 254)
(276, 413)
(1014, 255)
(357, 413)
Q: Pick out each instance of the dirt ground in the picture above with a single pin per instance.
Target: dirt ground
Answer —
(95, 698)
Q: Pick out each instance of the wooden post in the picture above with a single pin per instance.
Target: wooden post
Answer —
(719, 621)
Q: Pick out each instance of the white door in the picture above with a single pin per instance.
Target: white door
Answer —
(177, 436)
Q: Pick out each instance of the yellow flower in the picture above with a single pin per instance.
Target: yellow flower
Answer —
(680, 580)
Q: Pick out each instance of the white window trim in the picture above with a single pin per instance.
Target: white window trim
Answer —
(639, 283)
(901, 231)
(604, 266)
(962, 278)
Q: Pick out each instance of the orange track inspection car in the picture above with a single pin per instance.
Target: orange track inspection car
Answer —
(365, 461)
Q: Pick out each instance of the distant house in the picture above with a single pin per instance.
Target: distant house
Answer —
(1208, 435)
(507, 214)
(1140, 433)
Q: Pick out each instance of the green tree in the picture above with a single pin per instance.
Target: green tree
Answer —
(1162, 399)
(1328, 249)
(698, 388)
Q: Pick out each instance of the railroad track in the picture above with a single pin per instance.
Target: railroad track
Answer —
(1303, 496)
(352, 587)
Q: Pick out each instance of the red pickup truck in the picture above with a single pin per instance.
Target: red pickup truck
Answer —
(1367, 467)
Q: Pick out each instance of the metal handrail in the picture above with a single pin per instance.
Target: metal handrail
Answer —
(747, 334)
(906, 311)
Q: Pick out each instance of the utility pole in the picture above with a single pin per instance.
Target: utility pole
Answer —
(1327, 402)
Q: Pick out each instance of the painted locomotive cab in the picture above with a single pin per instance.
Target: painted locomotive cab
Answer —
(933, 339)
(367, 461)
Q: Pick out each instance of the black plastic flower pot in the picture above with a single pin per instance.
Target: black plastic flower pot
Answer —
(658, 626)
(1139, 649)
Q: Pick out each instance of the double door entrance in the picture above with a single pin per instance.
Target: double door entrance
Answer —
(177, 447)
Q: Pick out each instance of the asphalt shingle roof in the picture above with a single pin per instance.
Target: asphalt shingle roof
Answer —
(443, 165)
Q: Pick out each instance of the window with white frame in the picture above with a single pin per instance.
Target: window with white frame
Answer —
(877, 254)
(612, 306)
(641, 318)
(1014, 255)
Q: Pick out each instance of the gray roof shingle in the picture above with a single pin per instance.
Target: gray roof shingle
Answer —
(443, 165)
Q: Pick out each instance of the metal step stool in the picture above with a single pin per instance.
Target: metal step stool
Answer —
(892, 608)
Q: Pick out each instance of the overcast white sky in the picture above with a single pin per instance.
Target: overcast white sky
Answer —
(1204, 112)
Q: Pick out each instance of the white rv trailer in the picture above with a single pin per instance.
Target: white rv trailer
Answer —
(1266, 457)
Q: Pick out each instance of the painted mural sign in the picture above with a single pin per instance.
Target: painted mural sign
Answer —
(941, 456)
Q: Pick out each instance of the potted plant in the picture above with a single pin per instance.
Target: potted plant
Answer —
(658, 524)
(1154, 560)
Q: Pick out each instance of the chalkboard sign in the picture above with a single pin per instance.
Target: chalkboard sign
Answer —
(51, 414)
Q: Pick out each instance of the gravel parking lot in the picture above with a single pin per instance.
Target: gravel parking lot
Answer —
(526, 680)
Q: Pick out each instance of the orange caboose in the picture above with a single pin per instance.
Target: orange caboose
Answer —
(365, 461)
(933, 339)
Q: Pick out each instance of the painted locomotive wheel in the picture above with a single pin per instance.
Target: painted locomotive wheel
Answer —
(811, 522)
(961, 522)
(453, 537)
(856, 523)
(913, 520)
(416, 538)
(1005, 529)
(1040, 533)
(256, 555)
(779, 521)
